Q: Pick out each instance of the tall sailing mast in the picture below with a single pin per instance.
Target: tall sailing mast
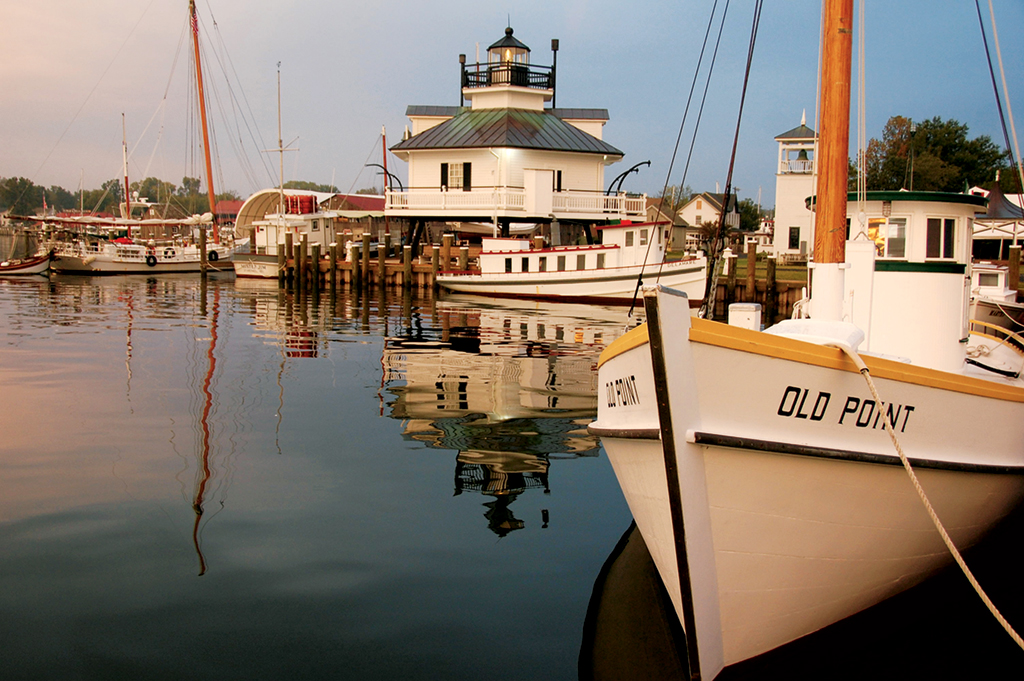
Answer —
(202, 116)
(828, 284)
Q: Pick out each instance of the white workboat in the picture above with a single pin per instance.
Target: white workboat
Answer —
(993, 299)
(759, 465)
(601, 273)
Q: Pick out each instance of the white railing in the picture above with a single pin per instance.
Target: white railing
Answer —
(514, 199)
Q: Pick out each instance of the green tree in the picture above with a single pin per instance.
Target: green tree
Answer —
(675, 197)
(933, 155)
(311, 186)
(20, 196)
(750, 215)
(189, 186)
(154, 189)
(370, 190)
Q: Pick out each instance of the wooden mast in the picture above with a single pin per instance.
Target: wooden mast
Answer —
(833, 161)
(202, 116)
(127, 192)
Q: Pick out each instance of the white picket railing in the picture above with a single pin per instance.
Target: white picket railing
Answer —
(487, 200)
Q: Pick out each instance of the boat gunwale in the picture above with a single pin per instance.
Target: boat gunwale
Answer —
(790, 349)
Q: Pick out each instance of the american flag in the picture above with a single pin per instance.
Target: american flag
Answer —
(195, 20)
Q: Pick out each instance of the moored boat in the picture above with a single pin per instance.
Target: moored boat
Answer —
(993, 299)
(603, 273)
(768, 471)
(37, 264)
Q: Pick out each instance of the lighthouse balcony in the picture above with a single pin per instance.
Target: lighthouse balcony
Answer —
(515, 202)
(508, 73)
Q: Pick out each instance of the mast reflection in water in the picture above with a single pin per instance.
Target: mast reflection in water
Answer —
(301, 453)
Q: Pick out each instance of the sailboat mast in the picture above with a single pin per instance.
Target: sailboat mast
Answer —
(828, 287)
(202, 116)
(124, 155)
(280, 145)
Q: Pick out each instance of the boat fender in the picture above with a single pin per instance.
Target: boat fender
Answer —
(168, 252)
(212, 256)
(151, 260)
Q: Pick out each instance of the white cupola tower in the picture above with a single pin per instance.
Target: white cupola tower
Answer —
(794, 182)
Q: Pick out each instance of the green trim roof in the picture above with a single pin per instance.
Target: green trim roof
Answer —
(512, 128)
(800, 132)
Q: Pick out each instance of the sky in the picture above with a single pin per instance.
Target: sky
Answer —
(68, 70)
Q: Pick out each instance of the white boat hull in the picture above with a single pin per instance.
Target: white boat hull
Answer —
(789, 505)
(69, 259)
(33, 265)
(611, 286)
(255, 266)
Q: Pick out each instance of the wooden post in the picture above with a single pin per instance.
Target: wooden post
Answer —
(463, 258)
(446, 251)
(357, 275)
(435, 263)
(202, 249)
(297, 267)
(366, 256)
(730, 282)
(407, 267)
(771, 292)
(387, 243)
(252, 239)
(289, 249)
(332, 266)
(752, 273)
(315, 267)
(381, 265)
(1013, 276)
(282, 267)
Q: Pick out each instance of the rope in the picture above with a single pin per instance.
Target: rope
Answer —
(862, 367)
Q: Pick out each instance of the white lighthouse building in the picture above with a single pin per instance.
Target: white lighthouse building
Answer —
(509, 156)
(795, 178)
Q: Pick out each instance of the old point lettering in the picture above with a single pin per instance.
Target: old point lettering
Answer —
(622, 392)
(798, 403)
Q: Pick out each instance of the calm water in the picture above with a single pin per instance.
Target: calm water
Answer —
(224, 481)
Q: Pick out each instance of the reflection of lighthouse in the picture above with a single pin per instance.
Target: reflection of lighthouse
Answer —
(504, 476)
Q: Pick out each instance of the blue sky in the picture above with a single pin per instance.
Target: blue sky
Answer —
(69, 69)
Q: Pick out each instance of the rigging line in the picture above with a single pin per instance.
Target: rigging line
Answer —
(689, 99)
(707, 307)
(257, 139)
(992, 75)
(93, 91)
(373, 150)
(239, 148)
(1006, 95)
(862, 131)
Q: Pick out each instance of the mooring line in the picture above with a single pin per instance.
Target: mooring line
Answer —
(865, 372)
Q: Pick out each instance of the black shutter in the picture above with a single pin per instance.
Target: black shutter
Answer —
(467, 176)
(444, 175)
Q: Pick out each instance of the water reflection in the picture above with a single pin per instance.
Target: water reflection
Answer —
(509, 387)
(157, 428)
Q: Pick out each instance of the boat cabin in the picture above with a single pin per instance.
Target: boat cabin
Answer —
(909, 268)
(622, 245)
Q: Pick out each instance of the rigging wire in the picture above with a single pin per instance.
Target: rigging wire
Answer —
(89, 96)
(682, 125)
(707, 306)
(995, 90)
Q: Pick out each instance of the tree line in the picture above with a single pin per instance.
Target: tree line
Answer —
(933, 155)
(20, 196)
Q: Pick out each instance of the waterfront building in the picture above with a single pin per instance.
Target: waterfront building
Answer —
(506, 154)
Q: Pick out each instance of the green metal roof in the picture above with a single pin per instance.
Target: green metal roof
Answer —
(514, 128)
(800, 132)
